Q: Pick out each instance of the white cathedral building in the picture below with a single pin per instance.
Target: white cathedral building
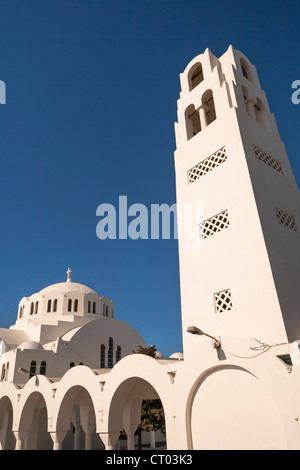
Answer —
(68, 375)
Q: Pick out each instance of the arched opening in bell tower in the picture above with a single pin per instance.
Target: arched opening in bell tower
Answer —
(209, 107)
(192, 119)
(245, 69)
(195, 76)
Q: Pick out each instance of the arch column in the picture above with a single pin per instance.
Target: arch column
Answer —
(250, 106)
(21, 437)
(130, 430)
(109, 439)
(153, 439)
(77, 427)
(57, 438)
(88, 429)
(202, 113)
(88, 424)
(131, 420)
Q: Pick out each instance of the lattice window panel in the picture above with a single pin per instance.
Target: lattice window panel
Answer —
(286, 219)
(269, 160)
(207, 165)
(213, 225)
(223, 301)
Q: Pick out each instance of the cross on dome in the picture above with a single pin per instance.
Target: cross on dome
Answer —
(69, 275)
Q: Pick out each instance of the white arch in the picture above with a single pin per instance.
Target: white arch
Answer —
(78, 376)
(137, 377)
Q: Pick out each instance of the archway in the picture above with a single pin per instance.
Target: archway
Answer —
(230, 409)
(34, 422)
(134, 396)
(76, 418)
(7, 438)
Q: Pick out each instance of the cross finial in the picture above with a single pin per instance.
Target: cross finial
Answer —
(69, 275)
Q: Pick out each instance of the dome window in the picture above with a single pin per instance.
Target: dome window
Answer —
(43, 367)
(32, 369)
(102, 356)
(21, 311)
(118, 354)
(105, 310)
(49, 306)
(110, 355)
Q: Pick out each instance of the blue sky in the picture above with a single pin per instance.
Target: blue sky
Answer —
(92, 89)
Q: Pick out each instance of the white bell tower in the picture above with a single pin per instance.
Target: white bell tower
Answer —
(244, 280)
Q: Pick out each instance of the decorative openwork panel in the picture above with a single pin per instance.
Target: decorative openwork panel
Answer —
(223, 301)
(213, 225)
(268, 159)
(286, 219)
(207, 165)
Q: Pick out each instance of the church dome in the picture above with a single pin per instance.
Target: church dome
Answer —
(64, 299)
(159, 355)
(65, 287)
(68, 286)
(177, 355)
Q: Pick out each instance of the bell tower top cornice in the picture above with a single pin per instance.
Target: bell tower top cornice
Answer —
(212, 87)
